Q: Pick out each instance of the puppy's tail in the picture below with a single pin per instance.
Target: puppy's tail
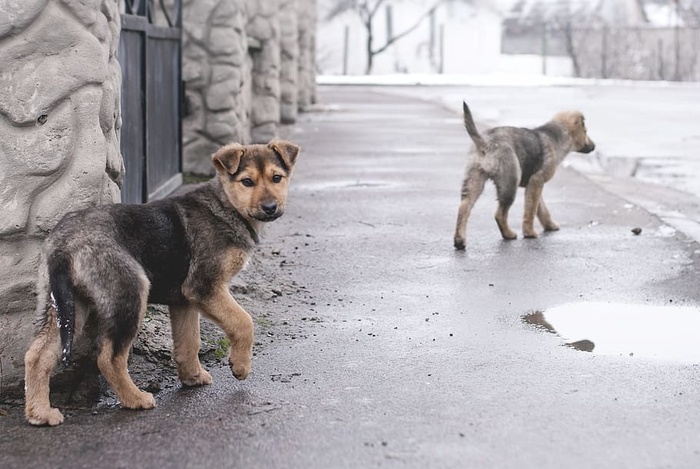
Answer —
(61, 284)
(471, 129)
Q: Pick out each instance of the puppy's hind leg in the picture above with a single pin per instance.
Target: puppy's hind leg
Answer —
(472, 187)
(506, 189)
(119, 319)
(39, 361)
(186, 343)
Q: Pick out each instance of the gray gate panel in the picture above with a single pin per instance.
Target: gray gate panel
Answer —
(163, 108)
(151, 136)
(133, 131)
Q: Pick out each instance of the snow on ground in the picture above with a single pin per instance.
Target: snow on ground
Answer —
(494, 79)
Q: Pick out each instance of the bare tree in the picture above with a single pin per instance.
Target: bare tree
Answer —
(367, 10)
(573, 20)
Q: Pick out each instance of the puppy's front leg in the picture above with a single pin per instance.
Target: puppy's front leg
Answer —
(533, 193)
(186, 342)
(238, 326)
(545, 217)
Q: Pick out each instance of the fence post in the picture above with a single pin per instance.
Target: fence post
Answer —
(389, 24)
(544, 48)
(431, 46)
(442, 49)
(346, 40)
(604, 53)
(660, 59)
(677, 44)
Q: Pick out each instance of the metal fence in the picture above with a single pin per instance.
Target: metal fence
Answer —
(639, 53)
(151, 99)
(636, 53)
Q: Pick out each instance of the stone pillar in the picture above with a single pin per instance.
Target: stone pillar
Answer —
(59, 141)
(215, 70)
(307, 54)
(248, 66)
(263, 36)
(289, 60)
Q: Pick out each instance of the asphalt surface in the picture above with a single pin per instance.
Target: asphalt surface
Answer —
(396, 350)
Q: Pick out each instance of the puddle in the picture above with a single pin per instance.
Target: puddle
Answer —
(646, 331)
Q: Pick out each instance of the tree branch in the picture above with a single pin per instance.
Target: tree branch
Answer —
(365, 14)
(392, 40)
(376, 7)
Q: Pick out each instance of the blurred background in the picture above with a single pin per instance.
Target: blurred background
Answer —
(620, 39)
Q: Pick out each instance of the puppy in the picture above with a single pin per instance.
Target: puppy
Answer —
(110, 261)
(512, 157)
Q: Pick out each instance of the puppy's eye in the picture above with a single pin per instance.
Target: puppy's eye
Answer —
(248, 182)
(276, 178)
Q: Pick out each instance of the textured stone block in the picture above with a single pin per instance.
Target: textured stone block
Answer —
(263, 133)
(259, 56)
(203, 149)
(59, 140)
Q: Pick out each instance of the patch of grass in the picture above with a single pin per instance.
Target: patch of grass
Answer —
(221, 347)
(263, 322)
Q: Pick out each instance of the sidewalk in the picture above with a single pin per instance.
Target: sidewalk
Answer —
(391, 349)
(648, 142)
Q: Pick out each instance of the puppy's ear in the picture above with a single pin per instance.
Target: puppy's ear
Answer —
(228, 158)
(287, 151)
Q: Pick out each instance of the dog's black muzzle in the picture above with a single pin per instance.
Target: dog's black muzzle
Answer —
(268, 211)
(589, 147)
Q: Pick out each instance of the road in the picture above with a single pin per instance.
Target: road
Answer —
(397, 351)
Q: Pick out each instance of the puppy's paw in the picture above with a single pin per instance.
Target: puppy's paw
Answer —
(51, 417)
(530, 234)
(551, 226)
(240, 357)
(199, 379)
(142, 400)
(460, 243)
(509, 235)
(240, 363)
(240, 370)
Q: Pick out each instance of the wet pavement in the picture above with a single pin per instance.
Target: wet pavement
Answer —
(397, 351)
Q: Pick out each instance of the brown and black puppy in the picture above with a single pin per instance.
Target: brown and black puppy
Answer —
(512, 157)
(110, 261)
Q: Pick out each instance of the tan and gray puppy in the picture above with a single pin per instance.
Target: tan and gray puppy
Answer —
(110, 261)
(512, 157)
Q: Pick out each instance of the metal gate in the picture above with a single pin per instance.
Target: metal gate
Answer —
(150, 56)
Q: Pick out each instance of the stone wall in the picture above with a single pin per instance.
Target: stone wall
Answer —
(307, 54)
(59, 140)
(248, 66)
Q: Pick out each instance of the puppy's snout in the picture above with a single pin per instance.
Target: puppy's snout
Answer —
(589, 147)
(269, 207)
